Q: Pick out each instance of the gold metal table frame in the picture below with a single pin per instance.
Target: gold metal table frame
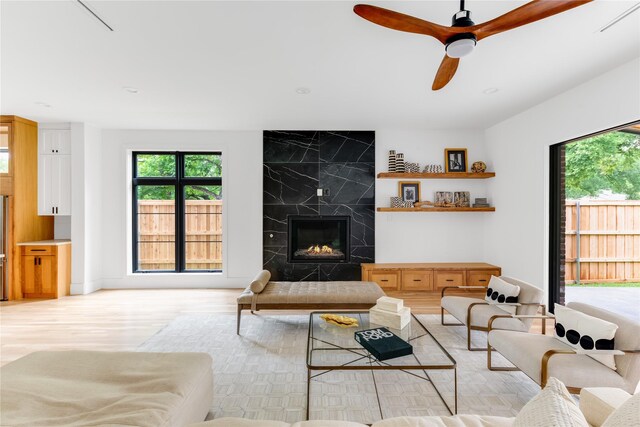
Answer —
(361, 355)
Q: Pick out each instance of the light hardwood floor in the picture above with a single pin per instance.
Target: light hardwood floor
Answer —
(121, 320)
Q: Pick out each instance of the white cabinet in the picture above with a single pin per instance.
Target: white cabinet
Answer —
(54, 172)
(54, 141)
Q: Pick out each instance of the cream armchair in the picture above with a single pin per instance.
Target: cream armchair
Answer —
(544, 356)
(474, 313)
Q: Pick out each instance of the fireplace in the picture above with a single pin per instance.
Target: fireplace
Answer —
(316, 239)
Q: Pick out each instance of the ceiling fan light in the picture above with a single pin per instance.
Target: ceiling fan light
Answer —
(460, 48)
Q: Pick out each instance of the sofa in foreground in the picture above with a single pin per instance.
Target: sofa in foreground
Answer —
(96, 388)
(552, 407)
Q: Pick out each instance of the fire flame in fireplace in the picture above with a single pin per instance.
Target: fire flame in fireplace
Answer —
(317, 249)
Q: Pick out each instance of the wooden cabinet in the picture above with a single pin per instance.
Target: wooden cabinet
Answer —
(450, 278)
(54, 172)
(46, 269)
(19, 181)
(386, 279)
(428, 276)
(480, 277)
(417, 280)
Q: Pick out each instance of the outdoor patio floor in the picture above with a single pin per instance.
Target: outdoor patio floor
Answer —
(625, 301)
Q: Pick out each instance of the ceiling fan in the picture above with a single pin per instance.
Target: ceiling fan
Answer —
(462, 36)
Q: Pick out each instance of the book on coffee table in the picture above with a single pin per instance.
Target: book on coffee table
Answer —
(383, 344)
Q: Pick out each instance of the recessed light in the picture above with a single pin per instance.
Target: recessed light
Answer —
(43, 104)
(131, 89)
(303, 91)
(490, 90)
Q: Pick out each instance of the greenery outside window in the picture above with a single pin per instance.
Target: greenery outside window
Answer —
(177, 212)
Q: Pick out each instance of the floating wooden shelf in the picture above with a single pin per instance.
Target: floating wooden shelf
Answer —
(449, 175)
(435, 209)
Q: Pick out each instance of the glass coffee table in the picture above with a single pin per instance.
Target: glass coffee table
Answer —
(333, 348)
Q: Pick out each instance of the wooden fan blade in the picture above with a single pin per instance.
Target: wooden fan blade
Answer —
(445, 73)
(401, 22)
(526, 14)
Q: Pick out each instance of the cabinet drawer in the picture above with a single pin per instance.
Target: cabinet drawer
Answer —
(37, 250)
(480, 277)
(417, 280)
(388, 279)
(449, 278)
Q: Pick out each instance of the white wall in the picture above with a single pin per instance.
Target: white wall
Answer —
(78, 167)
(430, 236)
(93, 209)
(242, 211)
(517, 233)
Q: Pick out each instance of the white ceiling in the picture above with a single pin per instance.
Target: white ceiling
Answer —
(236, 65)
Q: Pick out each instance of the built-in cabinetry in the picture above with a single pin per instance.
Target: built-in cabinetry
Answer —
(19, 181)
(46, 268)
(428, 276)
(54, 172)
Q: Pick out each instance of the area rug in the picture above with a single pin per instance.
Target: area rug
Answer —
(262, 374)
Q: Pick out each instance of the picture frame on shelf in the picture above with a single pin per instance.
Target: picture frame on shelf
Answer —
(409, 191)
(462, 199)
(443, 199)
(455, 160)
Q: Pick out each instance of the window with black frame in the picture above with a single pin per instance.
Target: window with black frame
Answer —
(177, 212)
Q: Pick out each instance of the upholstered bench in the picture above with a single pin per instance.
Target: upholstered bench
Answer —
(262, 294)
(90, 388)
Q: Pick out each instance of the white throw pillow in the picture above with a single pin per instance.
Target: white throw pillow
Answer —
(552, 407)
(627, 415)
(582, 331)
(500, 292)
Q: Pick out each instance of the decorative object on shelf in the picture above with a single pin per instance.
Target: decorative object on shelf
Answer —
(433, 169)
(455, 159)
(444, 199)
(462, 199)
(409, 191)
(392, 161)
(412, 167)
(478, 167)
(338, 320)
(407, 205)
(400, 163)
(425, 204)
(481, 202)
(396, 202)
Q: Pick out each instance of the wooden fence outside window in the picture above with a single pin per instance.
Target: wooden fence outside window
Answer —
(203, 231)
(607, 240)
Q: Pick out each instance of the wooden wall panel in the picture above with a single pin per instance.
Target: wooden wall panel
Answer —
(24, 222)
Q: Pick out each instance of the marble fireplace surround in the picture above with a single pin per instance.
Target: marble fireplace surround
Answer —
(297, 164)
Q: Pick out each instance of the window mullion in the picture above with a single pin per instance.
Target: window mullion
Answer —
(179, 214)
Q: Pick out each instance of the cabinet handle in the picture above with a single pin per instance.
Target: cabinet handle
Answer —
(56, 209)
(417, 280)
(449, 280)
(37, 250)
(384, 280)
(483, 280)
(53, 210)
(39, 261)
(35, 260)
